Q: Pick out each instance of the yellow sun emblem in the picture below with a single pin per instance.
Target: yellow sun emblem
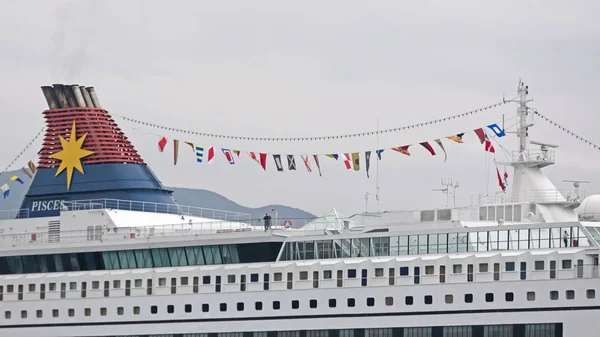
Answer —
(71, 155)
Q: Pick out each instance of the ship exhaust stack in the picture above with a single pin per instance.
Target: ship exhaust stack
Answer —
(78, 96)
(86, 97)
(60, 96)
(94, 97)
(50, 97)
(72, 103)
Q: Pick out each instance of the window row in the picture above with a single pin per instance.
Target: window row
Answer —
(506, 330)
(437, 243)
(340, 276)
(141, 258)
(312, 303)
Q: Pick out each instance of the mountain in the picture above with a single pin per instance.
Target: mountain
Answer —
(208, 199)
(183, 196)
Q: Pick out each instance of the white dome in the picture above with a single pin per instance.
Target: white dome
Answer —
(589, 209)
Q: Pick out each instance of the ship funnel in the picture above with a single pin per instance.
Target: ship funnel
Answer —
(86, 97)
(78, 96)
(70, 97)
(94, 97)
(60, 96)
(50, 97)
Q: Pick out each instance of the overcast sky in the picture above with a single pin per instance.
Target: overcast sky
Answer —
(308, 68)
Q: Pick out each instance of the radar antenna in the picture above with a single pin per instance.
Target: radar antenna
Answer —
(576, 187)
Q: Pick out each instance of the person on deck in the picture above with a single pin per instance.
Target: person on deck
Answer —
(566, 238)
(267, 219)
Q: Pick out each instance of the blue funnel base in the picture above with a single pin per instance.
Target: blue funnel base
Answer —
(131, 182)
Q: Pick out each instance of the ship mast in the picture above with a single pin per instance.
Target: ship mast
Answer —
(524, 122)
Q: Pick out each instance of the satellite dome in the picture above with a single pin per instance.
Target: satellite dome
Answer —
(589, 209)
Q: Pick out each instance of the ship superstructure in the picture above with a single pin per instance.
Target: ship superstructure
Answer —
(100, 248)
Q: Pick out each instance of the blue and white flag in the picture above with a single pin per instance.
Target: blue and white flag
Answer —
(497, 130)
(5, 190)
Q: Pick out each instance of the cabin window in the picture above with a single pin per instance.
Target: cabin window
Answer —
(483, 267)
(379, 272)
(509, 266)
(590, 293)
(403, 271)
(468, 298)
(457, 269)
(303, 275)
(351, 302)
(539, 265)
(509, 297)
(566, 264)
(429, 270)
(570, 294)
(449, 299)
(408, 300)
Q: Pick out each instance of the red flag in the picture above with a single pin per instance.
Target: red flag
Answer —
(306, 163)
(402, 149)
(162, 143)
(480, 134)
(428, 147)
(211, 155)
(263, 161)
(488, 145)
(500, 180)
(253, 156)
(347, 161)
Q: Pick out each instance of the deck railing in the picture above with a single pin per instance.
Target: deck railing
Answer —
(132, 205)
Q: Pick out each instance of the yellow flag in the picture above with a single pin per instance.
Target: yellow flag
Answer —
(356, 161)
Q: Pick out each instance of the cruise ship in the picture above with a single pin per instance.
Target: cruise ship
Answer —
(99, 247)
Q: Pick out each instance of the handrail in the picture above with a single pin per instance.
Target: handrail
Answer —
(133, 205)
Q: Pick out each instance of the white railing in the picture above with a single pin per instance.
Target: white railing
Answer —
(142, 206)
(100, 235)
(536, 155)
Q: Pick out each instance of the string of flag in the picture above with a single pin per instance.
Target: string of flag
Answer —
(27, 171)
(567, 131)
(351, 135)
(24, 149)
(351, 160)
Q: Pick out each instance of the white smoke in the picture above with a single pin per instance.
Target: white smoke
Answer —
(77, 25)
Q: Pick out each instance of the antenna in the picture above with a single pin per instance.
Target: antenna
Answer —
(576, 186)
(446, 190)
(366, 202)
